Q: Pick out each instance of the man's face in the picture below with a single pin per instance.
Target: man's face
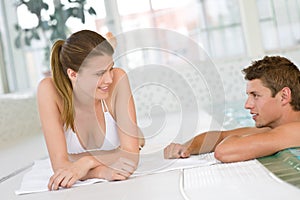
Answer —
(265, 109)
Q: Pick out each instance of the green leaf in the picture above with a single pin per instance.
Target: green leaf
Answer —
(44, 25)
(35, 35)
(27, 40)
(82, 17)
(92, 11)
(18, 41)
(69, 12)
(55, 27)
(53, 35)
(34, 6)
(45, 6)
(77, 1)
(17, 27)
(75, 12)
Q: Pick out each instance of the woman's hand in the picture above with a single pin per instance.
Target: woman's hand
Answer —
(69, 174)
(119, 170)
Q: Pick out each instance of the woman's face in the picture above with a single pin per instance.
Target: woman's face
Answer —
(95, 77)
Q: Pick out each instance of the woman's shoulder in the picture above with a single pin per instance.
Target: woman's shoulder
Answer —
(120, 78)
(120, 75)
(119, 72)
(46, 84)
(46, 87)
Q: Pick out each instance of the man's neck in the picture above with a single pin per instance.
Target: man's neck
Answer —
(289, 117)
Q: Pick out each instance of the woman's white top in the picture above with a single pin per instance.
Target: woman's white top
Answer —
(111, 140)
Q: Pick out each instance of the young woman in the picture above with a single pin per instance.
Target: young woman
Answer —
(87, 113)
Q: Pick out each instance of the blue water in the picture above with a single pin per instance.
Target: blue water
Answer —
(296, 152)
(237, 116)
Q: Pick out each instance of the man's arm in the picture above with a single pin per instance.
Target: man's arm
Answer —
(202, 143)
(245, 147)
(206, 142)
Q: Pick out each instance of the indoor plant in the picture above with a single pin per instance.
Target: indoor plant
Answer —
(50, 26)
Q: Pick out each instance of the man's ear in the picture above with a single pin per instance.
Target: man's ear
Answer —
(286, 95)
(71, 74)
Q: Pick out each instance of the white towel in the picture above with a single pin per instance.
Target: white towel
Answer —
(36, 180)
(155, 163)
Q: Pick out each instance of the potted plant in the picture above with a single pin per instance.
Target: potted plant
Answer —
(52, 27)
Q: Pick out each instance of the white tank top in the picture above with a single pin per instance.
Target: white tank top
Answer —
(111, 140)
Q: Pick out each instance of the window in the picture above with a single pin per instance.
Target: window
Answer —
(215, 24)
(4, 86)
(36, 67)
(91, 21)
(220, 28)
(280, 23)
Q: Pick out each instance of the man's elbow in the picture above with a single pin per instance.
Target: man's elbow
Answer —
(225, 154)
(220, 154)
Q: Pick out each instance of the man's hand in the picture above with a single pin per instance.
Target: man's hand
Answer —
(175, 150)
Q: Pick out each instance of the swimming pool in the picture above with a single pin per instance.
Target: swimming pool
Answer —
(237, 116)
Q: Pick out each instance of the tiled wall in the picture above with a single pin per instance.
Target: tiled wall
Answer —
(189, 88)
(167, 94)
(155, 91)
(160, 98)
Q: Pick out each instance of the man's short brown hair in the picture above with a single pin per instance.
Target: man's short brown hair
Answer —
(276, 72)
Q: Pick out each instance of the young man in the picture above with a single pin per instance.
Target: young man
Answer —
(273, 90)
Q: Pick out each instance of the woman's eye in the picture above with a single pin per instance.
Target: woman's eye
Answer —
(103, 72)
(100, 74)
